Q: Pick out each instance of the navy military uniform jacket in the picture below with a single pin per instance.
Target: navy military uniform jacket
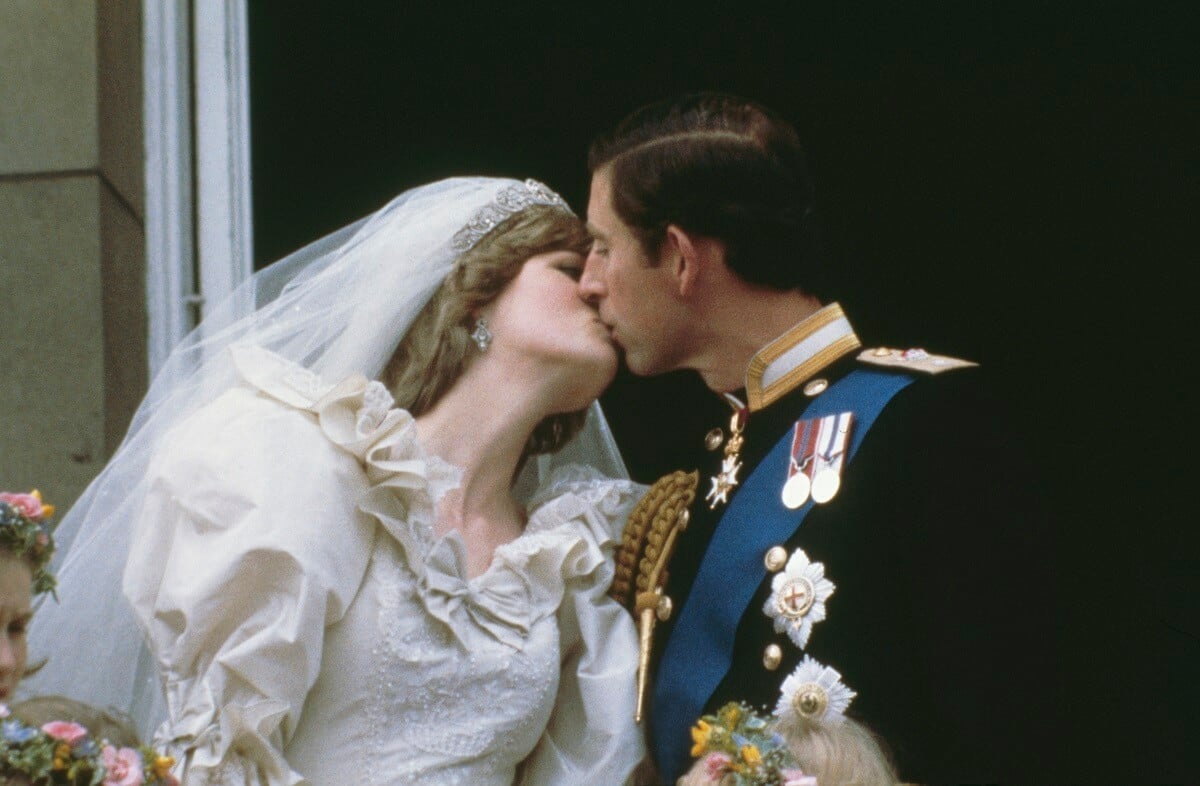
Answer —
(942, 619)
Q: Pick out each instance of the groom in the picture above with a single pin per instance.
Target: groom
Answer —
(861, 508)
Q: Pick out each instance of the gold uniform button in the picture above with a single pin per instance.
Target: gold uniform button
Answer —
(663, 611)
(775, 558)
(772, 657)
(714, 438)
(815, 387)
(882, 352)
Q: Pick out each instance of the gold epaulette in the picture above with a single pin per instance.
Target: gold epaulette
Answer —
(641, 563)
(912, 359)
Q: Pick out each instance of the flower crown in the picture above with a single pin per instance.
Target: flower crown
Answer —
(27, 532)
(750, 747)
(739, 742)
(64, 753)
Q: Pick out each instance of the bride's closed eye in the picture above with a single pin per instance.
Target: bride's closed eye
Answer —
(572, 269)
(18, 627)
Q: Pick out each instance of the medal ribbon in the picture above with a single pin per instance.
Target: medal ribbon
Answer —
(700, 650)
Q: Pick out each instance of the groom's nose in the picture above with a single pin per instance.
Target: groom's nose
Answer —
(591, 282)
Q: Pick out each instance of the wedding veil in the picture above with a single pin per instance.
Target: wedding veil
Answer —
(337, 306)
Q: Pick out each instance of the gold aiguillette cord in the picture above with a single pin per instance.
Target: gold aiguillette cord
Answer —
(646, 549)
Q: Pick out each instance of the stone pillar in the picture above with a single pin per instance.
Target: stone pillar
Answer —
(72, 239)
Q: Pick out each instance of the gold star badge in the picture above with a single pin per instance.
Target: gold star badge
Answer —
(724, 481)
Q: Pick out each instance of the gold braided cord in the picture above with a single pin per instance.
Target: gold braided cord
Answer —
(641, 554)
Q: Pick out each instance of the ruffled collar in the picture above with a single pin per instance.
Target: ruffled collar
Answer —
(568, 536)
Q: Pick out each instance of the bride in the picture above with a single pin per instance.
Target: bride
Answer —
(337, 525)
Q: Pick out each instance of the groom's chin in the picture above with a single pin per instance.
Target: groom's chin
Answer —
(640, 365)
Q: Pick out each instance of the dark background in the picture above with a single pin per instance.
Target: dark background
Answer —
(1014, 186)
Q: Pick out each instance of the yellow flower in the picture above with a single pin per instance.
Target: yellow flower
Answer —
(700, 734)
(163, 765)
(47, 510)
(730, 715)
(751, 756)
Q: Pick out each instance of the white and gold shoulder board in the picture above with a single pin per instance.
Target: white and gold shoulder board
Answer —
(913, 359)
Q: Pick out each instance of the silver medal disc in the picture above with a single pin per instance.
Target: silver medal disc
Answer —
(825, 486)
(795, 491)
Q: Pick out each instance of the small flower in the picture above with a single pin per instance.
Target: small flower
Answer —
(66, 731)
(798, 595)
(700, 734)
(24, 504)
(29, 505)
(4, 710)
(15, 731)
(162, 765)
(86, 749)
(716, 765)
(751, 755)
(730, 714)
(813, 693)
(121, 767)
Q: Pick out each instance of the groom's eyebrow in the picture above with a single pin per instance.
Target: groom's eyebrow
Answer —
(596, 232)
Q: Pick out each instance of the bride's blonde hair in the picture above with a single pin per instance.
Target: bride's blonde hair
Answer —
(434, 352)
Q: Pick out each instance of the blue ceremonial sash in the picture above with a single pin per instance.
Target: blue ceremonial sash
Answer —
(700, 650)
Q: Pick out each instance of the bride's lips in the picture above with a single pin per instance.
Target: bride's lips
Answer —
(610, 330)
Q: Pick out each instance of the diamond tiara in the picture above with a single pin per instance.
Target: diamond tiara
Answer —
(509, 201)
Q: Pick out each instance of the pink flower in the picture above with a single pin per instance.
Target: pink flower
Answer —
(716, 765)
(66, 731)
(29, 505)
(797, 778)
(121, 767)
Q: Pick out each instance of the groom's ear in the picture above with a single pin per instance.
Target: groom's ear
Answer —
(691, 258)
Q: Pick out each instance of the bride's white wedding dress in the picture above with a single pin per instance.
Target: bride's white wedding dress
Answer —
(310, 629)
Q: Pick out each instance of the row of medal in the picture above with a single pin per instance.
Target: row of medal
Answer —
(815, 461)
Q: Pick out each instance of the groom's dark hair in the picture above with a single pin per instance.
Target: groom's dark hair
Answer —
(724, 167)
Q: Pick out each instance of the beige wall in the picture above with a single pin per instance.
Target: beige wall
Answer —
(72, 239)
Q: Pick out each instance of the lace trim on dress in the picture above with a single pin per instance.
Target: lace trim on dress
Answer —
(575, 514)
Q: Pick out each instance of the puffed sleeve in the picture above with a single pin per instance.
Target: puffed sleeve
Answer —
(591, 739)
(248, 546)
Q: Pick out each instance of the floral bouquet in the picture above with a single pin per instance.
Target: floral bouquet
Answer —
(27, 532)
(62, 753)
(739, 744)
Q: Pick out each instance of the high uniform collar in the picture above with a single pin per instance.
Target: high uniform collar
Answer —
(798, 355)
